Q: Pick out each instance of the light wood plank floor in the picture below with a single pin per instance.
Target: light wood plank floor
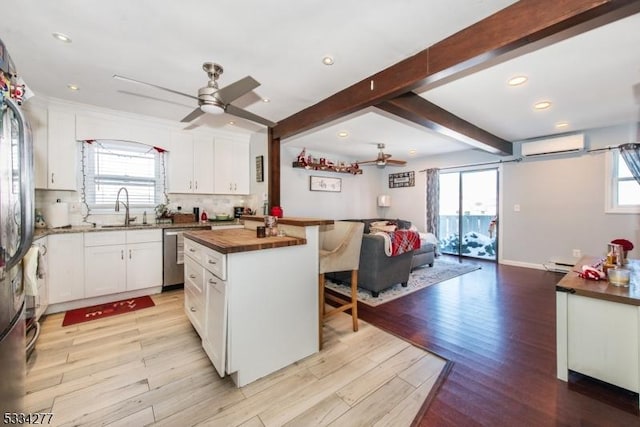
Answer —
(148, 368)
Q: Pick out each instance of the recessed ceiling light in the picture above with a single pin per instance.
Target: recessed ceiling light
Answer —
(327, 60)
(412, 152)
(232, 122)
(542, 105)
(62, 37)
(562, 125)
(266, 100)
(517, 80)
(343, 134)
(73, 87)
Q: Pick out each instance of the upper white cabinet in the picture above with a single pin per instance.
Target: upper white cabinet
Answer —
(231, 167)
(55, 150)
(190, 163)
(63, 151)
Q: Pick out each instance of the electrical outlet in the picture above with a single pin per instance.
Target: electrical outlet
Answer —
(577, 253)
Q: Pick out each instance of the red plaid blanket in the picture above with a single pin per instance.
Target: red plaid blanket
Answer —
(400, 241)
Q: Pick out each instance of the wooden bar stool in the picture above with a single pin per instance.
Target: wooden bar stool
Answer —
(339, 251)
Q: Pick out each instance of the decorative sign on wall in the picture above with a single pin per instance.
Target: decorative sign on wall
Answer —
(323, 183)
(402, 179)
(259, 168)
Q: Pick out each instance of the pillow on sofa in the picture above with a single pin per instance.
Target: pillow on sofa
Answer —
(386, 226)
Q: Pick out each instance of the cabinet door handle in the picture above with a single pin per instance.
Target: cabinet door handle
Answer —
(191, 250)
(196, 185)
(192, 276)
(121, 253)
(235, 187)
(129, 253)
(213, 282)
(212, 262)
(193, 309)
(190, 187)
(230, 187)
(52, 178)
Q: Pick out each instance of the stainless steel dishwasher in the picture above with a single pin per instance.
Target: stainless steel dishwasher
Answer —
(173, 255)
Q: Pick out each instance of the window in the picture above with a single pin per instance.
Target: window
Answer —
(623, 192)
(111, 165)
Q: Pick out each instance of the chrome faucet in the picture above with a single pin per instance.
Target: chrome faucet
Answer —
(127, 220)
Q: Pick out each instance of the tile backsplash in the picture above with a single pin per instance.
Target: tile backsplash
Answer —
(212, 204)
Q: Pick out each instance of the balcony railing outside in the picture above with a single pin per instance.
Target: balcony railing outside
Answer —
(476, 241)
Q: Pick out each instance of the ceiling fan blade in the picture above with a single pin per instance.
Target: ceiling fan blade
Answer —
(231, 109)
(235, 90)
(192, 115)
(129, 79)
(367, 162)
(396, 162)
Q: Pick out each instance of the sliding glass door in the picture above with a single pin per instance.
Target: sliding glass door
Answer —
(469, 208)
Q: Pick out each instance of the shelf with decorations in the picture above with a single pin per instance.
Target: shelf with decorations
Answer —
(311, 163)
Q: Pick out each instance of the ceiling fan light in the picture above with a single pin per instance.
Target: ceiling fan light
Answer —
(211, 109)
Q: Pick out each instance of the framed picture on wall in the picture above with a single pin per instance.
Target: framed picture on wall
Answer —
(323, 183)
(402, 179)
(259, 168)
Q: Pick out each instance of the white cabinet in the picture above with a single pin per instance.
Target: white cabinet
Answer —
(62, 164)
(231, 169)
(194, 304)
(190, 163)
(119, 261)
(105, 265)
(54, 147)
(144, 259)
(65, 262)
(206, 299)
(214, 340)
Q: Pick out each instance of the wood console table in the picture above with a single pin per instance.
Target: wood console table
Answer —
(598, 327)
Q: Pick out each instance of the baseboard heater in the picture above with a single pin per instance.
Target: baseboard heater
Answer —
(558, 266)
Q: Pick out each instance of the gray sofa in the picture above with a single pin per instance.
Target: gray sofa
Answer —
(376, 270)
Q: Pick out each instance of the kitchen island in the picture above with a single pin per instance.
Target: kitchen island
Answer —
(253, 301)
(597, 327)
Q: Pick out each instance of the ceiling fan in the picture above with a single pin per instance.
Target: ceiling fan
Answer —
(213, 100)
(383, 159)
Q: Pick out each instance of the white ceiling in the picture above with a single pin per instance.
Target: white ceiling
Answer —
(281, 44)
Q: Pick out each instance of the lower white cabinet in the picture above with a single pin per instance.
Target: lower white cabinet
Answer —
(119, 261)
(205, 299)
(194, 304)
(214, 340)
(65, 262)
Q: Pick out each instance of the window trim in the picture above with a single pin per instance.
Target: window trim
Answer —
(611, 187)
(134, 208)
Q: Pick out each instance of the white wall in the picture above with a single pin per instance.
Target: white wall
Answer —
(356, 200)
(561, 198)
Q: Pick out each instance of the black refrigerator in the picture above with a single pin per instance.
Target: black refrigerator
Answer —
(16, 233)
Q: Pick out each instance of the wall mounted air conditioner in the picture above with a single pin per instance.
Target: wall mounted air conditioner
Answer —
(559, 145)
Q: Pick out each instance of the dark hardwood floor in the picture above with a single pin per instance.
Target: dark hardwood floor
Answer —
(497, 326)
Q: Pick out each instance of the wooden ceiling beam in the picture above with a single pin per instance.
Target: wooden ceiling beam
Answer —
(416, 109)
(517, 29)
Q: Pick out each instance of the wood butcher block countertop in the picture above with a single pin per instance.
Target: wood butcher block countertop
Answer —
(240, 240)
(602, 289)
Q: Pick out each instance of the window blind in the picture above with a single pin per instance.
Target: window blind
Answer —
(111, 165)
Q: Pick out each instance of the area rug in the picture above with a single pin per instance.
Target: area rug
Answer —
(420, 278)
(100, 311)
